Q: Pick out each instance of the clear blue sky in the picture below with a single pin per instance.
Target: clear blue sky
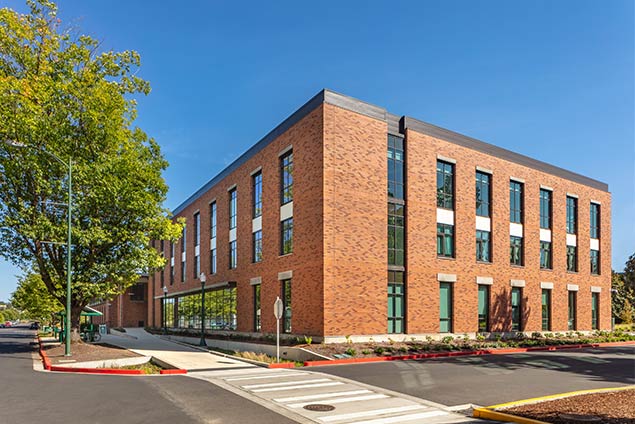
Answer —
(550, 79)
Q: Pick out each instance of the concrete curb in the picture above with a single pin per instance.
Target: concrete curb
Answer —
(503, 351)
(492, 413)
(112, 371)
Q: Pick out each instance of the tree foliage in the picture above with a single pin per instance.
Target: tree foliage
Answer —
(34, 299)
(61, 94)
(623, 292)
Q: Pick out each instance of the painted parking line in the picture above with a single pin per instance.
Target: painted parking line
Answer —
(284, 383)
(343, 400)
(300, 386)
(404, 418)
(363, 414)
(258, 377)
(322, 396)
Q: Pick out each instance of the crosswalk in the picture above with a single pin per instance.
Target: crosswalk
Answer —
(326, 399)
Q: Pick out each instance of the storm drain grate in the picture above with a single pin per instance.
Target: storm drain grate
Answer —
(319, 407)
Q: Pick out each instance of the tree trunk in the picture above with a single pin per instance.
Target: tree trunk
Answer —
(75, 315)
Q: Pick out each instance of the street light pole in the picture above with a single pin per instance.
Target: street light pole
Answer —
(203, 279)
(69, 165)
(165, 304)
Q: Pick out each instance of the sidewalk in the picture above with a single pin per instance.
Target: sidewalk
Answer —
(139, 341)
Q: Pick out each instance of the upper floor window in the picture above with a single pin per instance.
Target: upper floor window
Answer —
(197, 229)
(256, 181)
(516, 202)
(572, 259)
(256, 247)
(483, 246)
(595, 262)
(595, 221)
(515, 250)
(212, 219)
(183, 239)
(545, 255)
(445, 185)
(286, 236)
(286, 177)
(233, 200)
(395, 234)
(445, 240)
(483, 198)
(572, 215)
(232, 255)
(395, 167)
(545, 209)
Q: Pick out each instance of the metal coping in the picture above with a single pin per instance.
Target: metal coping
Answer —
(396, 125)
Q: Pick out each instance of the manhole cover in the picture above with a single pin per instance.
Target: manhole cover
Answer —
(576, 418)
(319, 407)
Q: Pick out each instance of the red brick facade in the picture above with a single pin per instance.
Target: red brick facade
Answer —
(339, 259)
(127, 309)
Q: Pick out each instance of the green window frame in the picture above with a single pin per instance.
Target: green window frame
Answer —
(595, 309)
(572, 215)
(545, 209)
(483, 193)
(545, 255)
(445, 240)
(395, 167)
(483, 308)
(516, 191)
(286, 236)
(594, 256)
(572, 258)
(572, 307)
(546, 310)
(445, 185)
(286, 303)
(516, 303)
(483, 246)
(516, 251)
(445, 307)
(396, 302)
(396, 234)
(595, 221)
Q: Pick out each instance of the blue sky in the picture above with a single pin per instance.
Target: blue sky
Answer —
(550, 79)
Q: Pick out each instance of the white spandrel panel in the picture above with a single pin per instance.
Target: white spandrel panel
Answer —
(286, 211)
(483, 223)
(212, 243)
(595, 244)
(545, 235)
(232, 234)
(572, 240)
(515, 229)
(256, 224)
(445, 216)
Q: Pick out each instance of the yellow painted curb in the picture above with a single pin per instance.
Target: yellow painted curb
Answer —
(489, 412)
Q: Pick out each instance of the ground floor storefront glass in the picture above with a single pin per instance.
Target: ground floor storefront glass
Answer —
(220, 310)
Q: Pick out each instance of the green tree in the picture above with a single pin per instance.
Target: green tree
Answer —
(34, 299)
(622, 299)
(629, 272)
(60, 93)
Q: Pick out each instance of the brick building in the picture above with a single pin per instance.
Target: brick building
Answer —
(367, 223)
(129, 309)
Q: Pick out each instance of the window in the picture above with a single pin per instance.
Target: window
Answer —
(445, 313)
(220, 307)
(546, 310)
(257, 326)
(197, 242)
(572, 215)
(286, 178)
(395, 167)
(483, 198)
(483, 308)
(286, 303)
(183, 264)
(545, 209)
(595, 221)
(138, 292)
(572, 259)
(516, 202)
(517, 296)
(233, 199)
(286, 239)
(545, 254)
(257, 246)
(571, 324)
(256, 181)
(396, 240)
(212, 220)
(232, 254)
(595, 307)
(483, 246)
(445, 185)
(168, 312)
(172, 249)
(595, 262)
(212, 261)
(516, 250)
(445, 240)
(395, 302)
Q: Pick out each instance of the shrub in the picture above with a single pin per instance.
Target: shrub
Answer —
(308, 340)
(366, 351)
(379, 350)
(350, 351)
(447, 339)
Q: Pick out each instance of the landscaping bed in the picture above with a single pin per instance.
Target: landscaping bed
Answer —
(616, 407)
(86, 352)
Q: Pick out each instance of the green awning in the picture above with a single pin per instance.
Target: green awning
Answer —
(86, 312)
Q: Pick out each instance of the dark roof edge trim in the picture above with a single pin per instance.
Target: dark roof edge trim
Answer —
(499, 152)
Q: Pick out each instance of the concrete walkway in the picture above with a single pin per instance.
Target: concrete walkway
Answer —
(140, 341)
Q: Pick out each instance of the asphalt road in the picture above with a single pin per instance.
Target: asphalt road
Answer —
(28, 396)
(493, 379)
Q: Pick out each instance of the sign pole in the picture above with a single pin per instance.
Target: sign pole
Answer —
(278, 311)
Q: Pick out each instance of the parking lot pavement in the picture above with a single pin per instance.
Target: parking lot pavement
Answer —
(290, 392)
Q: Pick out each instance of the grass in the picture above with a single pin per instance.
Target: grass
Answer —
(260, 357)
(147, 368)
(625, 327)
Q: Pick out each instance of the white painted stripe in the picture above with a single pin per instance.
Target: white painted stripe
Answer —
(269, 375)
(322, 396)
(300, 386)
(403, 418)
(344, 400)
(285, 383)
(331, 418)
